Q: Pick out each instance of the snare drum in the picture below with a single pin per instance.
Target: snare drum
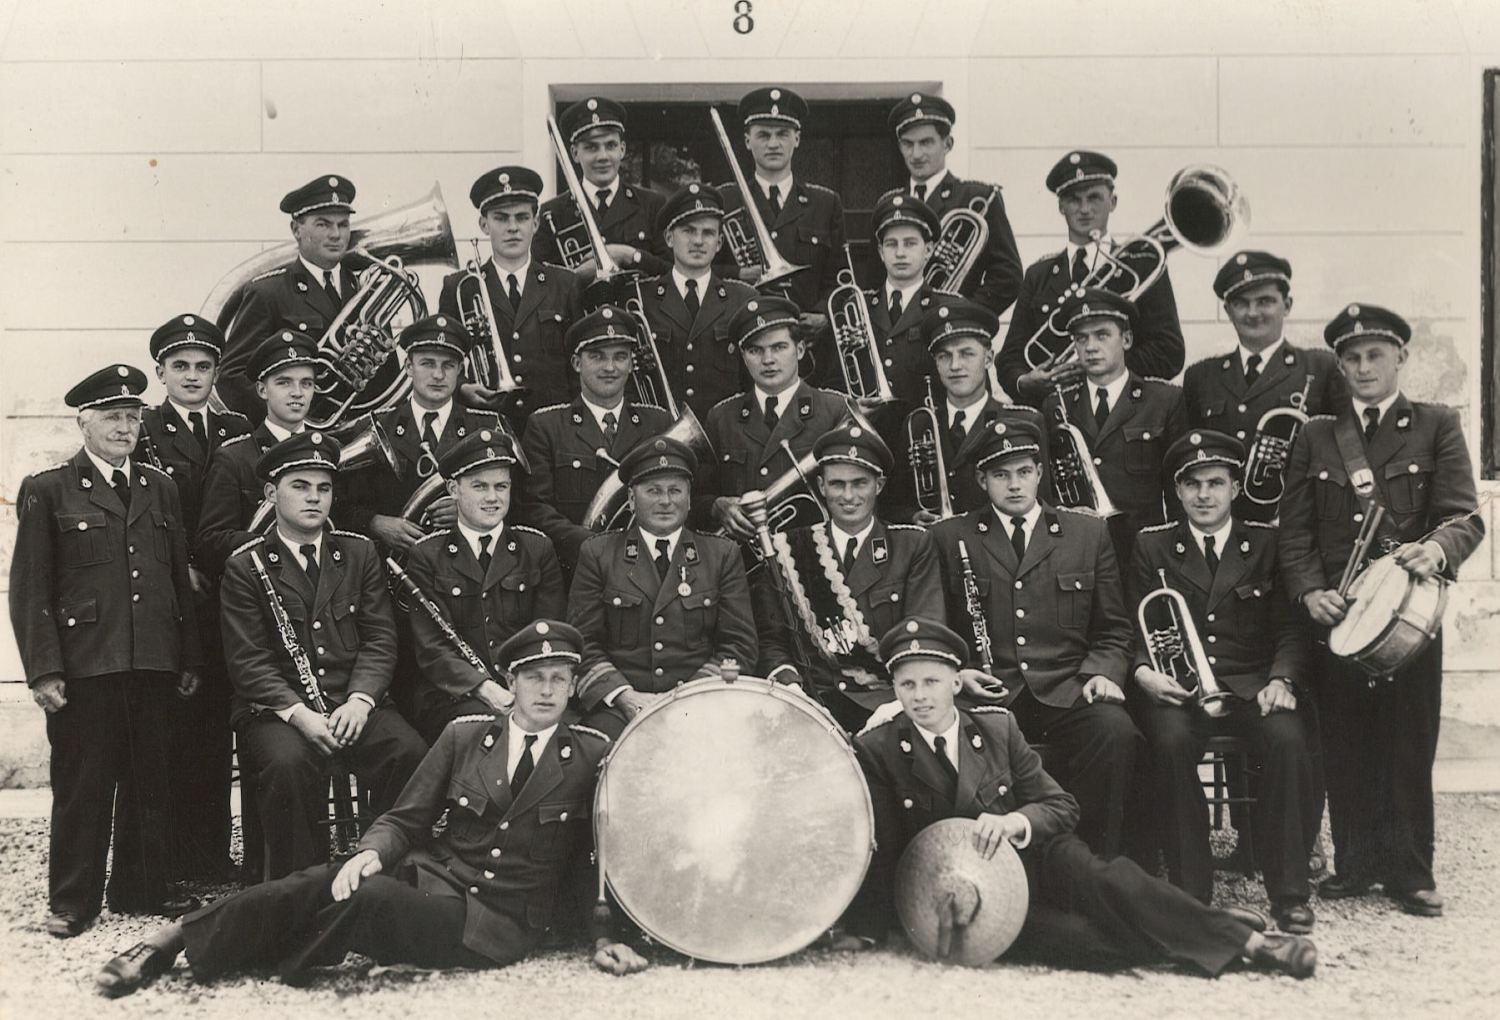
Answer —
(1393, 618)
(733, 821)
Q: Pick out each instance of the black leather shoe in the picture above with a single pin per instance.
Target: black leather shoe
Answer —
(1340, 887)
(1421, 902)
(175, 904)
(1293, 955)
(1293, 917)
(1252, 919)
(63, 925)
(133, 970)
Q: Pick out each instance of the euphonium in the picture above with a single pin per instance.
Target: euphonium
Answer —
(487, 361)
(1072, 466)
(854, 337)
(1173, 645)
(432, 487)
(924, 444)
(962, 236)
(362, 443)
(1205, 211)
(610, 507)
(763, 251)
(1265, 464)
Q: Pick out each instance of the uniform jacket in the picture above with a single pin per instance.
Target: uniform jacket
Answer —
(232, 492)
(346, 626)
(1158, 348)
(909, 368)
(646, 632)
(1420, 463)
(523, 583)
(630, 218)
(998, 773)
(808, 232)
(1251, 632)
(703, 365)
(1055, 619)
(181, 456)
(563, 445)
(748, 455)
(534, 332)
(895, 575)
(995, 279)
(94, 588)
(508, 856)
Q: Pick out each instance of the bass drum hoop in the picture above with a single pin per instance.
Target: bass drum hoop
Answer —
(1405, 633)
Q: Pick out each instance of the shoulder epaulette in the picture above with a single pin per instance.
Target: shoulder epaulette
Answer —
(603, 534)
(153, 467)
(352, 534)
(481, 410)
(236, 439)
(904, 527)
(883, 722)
(429, 538)
(528, 529)
(1081, 511)
(888, 193)
(819, 187)
(549, 407)
(1259, 524)
(577, 728)
(1324, 417)
(473, 718)
(54, 467)
(269, 273)
(1159, 379)
(257, 540)
(988, 709)
(233, 414)
(1159, 527)
(1018, 407)
(654, 407)
(730, 398)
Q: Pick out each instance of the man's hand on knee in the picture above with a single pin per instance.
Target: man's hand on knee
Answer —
(355, 870)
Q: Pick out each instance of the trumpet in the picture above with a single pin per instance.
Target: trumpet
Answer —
(414, 590)
(763, 251)
(1265, 465)
(610, 507)
(962, 236)
(1071, 462)
(289, 641)
(854, 336)
(924, 443)
(975, 608)
(487, 362)
(1173, 645)
(362, 443)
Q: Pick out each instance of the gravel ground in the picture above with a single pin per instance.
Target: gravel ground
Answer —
(1373, 961)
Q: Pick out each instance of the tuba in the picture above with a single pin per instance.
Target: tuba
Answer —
(363, 443)
(1205, 211)
(609, 510)
(487, 362)
(1175, 649)
(962, 237)
(744, 230)
(924, 444)
(854, 337)
(1265, 464)
(1071, 463)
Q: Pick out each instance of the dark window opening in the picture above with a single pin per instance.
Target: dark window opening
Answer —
(1490, 260)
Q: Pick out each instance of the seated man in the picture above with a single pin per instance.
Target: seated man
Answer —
(1258, 650)
(488, 578)
(658, 604)
(480, 894)
(310, 641)
(935, 762)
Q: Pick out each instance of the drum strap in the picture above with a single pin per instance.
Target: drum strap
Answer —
(1367, 484)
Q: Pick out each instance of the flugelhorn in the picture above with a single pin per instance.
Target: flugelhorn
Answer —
(962, 236)
(487, 362)
(764, 253)
(648, 383)
(1174, 647)
(610, 507)
(1265, 464)
(854, 337)
(924, 445)
(362, 443)
(1071, 464)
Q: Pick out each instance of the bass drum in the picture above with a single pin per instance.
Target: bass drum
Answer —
(1393, 618)
(733, 821)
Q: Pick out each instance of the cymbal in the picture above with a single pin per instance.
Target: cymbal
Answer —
(955, 905)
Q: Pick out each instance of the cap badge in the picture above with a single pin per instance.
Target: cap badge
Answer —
(916, 97)
(752, 305)
(775, 94)
(999, 428)
(593, 104)
(333, 182)
(915, 646)
(442, 321)
(485, 435)
(661, 444)
(692, 189)
(662, 462)
(188, 320)
(1074, 158)
(542, 627)
(942, 313)
(505, 178)
(546, 647)
(315, 438)
(287, 336)
(1353, 310)
(760, 320)
(125, 391)
(911, 626)
(122, 371)
(898, 201)
(1196, 439)
(607, 313)
(1241, 259)
(855, 432)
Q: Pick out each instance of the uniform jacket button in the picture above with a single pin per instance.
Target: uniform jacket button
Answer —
(495, 852)
(463, 802)
(504, 826)
(317, 625)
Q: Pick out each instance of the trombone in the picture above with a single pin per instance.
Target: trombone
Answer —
(764, 252)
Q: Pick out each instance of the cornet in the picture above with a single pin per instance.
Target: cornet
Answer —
(924, 444)
(1265, 465)
(962, 236)
(487, 362)
(854, 337)
(1074, 476)
(1173, 645)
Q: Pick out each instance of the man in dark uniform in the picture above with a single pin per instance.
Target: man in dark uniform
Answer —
(304, 295)
(104, 621)
(531, 303)
(1231, 392)
(923, 126)
(1259, 651)
(1127, 421)
(1054, 614)
(657, 603)
(421, 430)
(489, 579)
(1379, 735)
(690, 306)
(480, 894)
(625, 214)
(748, 429)
(1084, 183)
(856, 576)
(331, 587)
(282, 367)
(905, 230)
(938, 761)
(178, 437)
(572, 449)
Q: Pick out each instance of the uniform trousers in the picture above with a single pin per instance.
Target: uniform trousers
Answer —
(291, 780)
(108, 770)
(1379, 742)
(200, 753)
(1176, 736)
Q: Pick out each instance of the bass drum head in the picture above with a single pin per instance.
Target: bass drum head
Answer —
(1377, 596)
(733, 821)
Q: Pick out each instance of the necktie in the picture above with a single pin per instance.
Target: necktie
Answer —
(485, 556)
(663, 557)
(310, 559)
(603, 202)
(1080, 265)
(1252, 369)
(691, 298)
(1018, 537)
(771, 416)
(956, 430)
(524, 767)
(921, 192)
(513, 291)
(1372, 423)
(121, 485)
(940, 746)
(776, 198)
(429, 431)
(611, 425)
(331, 289)
(895, 306)
(200, 430)
(850, 549)
(1101, 409)
(1210, 554)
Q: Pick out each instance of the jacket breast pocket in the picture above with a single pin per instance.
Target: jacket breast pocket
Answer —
(345, 621)
(83, 538)
(465, 609)
(700, 615)
(885, 608)
(556, 824)
(312, 324)
(576, 477)
(995, 794)
(734, 467)
(517, 592)
(813, 245)
(622, 618)
(1330, 490)
(1214, 411)
(466, 801)
(550, 327)
(78, 613)
(1408, 483)
(1144, 449)
(1075, 599)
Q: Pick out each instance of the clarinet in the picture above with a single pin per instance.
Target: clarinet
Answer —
(150, 447)
(415, 591)
(289, 639)
(976, 611)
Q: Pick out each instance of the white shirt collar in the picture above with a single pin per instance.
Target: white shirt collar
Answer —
(517, 743)
(1031, 518)
(106, 469)
(418, 412)
(680, 279)
(280, 434)
(783, 399)
(296, 547)
(950, 740)
(933, 183)
(473, 537)
(520, 273)
(1115, 390)
(908, 293)
(1220, 537)
(841, 537)
(592, 190)
(785, 184)
(1265, 355)
(1384, 406)
(317, 274)
(649, 541)
(187, 415)
(1093, 247)
(971, 414)
(599, 411)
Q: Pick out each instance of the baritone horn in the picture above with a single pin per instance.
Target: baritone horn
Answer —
(487, 362)
(924, 443)
(1174, 647)
(610, 507)
(962, 236)
(433, 485)
(1265, 464)
(363, 443)
(854, 337)
(739, 236)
